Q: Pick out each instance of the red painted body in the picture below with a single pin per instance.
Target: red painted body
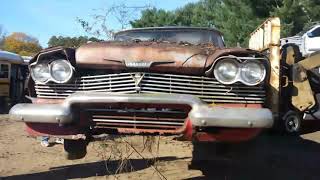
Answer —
(188, 130)
(172, 58)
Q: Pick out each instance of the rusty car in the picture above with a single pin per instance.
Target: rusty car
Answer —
(149, 81)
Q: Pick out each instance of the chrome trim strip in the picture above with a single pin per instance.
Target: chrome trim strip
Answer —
(208, 89)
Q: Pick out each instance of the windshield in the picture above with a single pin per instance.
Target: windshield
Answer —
(175, 35)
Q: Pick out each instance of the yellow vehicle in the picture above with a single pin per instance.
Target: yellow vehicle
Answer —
(294, 79)
(12, 73)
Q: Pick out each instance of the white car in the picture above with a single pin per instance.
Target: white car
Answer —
(308, 41)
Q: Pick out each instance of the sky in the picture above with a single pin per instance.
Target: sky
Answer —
(45, 18)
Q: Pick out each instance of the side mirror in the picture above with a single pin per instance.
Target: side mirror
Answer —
(309, 34)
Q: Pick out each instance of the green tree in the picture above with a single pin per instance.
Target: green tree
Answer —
(263, 8)
(297, 15)
(154, 17)
(234, 18)
(292, 16)
(70, 41)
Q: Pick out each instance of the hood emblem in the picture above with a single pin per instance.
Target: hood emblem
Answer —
(140, 64)
(137, 77)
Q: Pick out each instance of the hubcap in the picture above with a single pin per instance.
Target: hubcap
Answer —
(292, 123)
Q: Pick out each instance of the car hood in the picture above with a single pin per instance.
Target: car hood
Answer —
(150, 56)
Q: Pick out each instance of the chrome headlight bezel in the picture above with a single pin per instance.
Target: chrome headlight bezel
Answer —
(218, 75)
(242, 63)
(70, 69)
(262, 73)
(33, 72)
(49, 66)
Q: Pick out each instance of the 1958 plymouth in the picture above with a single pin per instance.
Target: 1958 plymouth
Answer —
(159, 81)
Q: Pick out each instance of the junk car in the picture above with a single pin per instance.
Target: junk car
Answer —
(149, 81)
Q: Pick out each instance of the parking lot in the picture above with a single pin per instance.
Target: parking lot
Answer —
(268, 157)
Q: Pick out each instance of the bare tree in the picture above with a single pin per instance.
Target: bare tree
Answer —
(2, 35)
(99, 24)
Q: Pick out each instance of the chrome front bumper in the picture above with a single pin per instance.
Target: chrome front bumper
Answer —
(200, 115)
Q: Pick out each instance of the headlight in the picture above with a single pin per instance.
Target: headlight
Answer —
(252, 73)
(61, 71)
(226, 71)
(230, 70)
(40, 73)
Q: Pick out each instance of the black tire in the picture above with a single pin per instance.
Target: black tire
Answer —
(203, 150)
(292, 123)
(207, 152)
(75, 149)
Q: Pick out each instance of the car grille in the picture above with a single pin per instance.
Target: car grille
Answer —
(138, 118)
(207, 89)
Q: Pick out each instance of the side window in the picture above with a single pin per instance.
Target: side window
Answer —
(4, 71)
(315, 33)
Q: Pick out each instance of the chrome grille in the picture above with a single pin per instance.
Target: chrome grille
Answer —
(208, 89)
(150, 118)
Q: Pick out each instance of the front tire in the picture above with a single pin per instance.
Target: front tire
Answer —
(75, 149)
(292, 123)
(207, 152)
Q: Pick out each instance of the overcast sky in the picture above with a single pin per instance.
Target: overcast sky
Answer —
(45, 18)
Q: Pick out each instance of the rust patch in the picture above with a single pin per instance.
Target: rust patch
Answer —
(47, 101)
(184, 59)
(228, 135)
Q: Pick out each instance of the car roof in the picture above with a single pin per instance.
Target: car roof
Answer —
(172, 28)
(10, 57)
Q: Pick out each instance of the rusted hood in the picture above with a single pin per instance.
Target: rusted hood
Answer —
(153, 56)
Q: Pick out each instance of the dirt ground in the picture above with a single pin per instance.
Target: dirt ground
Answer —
(267, 157)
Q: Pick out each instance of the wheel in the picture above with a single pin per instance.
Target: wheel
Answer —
(292, 123)
(201, 153)
(75, 149)
(207, 153)
(203, 150)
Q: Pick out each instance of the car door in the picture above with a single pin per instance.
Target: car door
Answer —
(312, 40)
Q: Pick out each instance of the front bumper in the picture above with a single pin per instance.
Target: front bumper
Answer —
(201, 115)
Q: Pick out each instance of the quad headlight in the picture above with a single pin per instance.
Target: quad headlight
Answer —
(40, 73)
(249, 72)
(226, 71)
(252, 73)
(59, 71)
